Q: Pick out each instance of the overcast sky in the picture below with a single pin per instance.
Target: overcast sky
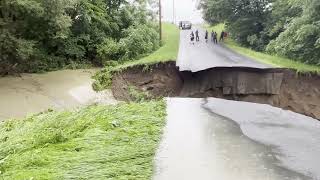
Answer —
(184, 10)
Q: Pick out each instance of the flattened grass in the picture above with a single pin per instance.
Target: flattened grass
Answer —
(97, 142)
(266, 58)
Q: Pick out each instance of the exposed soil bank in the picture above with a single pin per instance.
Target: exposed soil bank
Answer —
(159, 80)
(282, 88)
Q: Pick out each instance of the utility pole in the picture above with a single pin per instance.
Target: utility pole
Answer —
(173, 13)
(160, 22)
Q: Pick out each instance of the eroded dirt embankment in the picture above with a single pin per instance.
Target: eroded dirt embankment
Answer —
(282, 88)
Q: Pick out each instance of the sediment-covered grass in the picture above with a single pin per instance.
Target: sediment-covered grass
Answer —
(167, 52)
(272, 60)
(97, 142)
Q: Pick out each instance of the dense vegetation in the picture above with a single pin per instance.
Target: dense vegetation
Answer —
(289, 28)
(41, 35)
(265, 57)
(97, 142)
(168, 52)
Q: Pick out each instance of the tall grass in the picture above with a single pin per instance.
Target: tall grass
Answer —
(97, 142)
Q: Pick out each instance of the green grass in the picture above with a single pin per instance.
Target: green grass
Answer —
(272, 60)
(97, 142)
(167, 52)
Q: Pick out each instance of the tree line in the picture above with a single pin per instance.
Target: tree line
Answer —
(289, 28)
(43, 35)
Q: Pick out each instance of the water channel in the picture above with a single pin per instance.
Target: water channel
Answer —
(33, 93)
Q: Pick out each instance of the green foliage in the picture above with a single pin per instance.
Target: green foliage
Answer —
(46, 35)
(103, 79)
(139, 40)
(245, 19)
(167, 52)
(97, 142)
(273, 60)
(287, 28)
(137, 95)
(300, 40)
(109, 50)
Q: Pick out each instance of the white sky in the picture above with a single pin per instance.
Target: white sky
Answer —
(184, 9)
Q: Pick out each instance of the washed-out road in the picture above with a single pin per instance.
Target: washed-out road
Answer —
(215, 139)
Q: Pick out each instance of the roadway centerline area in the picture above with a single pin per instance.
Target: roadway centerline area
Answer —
(205, 55)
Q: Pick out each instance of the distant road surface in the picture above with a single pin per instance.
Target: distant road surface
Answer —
(202, 55)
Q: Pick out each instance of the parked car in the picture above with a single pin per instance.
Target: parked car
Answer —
(185, 25)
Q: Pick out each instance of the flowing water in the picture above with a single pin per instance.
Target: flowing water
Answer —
(218, 139)
(33, 93)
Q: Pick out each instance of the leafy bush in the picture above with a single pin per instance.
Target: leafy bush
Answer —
(287, 28)
(103, 79)
(301, 39)
(109, 50)
(138, 40)
(45, 35)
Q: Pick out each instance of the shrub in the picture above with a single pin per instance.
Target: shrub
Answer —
(138, 40)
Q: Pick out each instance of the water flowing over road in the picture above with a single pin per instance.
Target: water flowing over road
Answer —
(219, 139)
(33, 93)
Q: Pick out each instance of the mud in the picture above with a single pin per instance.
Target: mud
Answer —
(283, 88)
(161, 80)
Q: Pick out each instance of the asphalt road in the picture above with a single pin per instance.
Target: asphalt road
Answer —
(202, 55)
(245, 141)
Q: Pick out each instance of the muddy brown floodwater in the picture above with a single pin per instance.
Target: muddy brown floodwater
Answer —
(33, 93)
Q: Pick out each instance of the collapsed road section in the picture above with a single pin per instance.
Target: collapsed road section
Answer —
(213, 138)
(283, 88)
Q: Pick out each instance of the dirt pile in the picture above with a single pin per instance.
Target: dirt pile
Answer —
(278, 87)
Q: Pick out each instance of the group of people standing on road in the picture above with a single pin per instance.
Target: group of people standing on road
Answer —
(192, 36)
(214, 36)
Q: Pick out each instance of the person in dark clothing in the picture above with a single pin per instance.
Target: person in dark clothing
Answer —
(197, 35)
(180, 24)
(206, 36)
(192, 37)
(212, 36)
(225, 35)
(215, 37)
(222, 36)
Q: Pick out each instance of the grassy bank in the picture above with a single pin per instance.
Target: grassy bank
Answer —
(167, 52)
(273, 60)
(97, 142)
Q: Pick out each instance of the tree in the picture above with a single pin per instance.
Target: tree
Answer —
(288, 28)
(245, 19)
(42, 35)
(301, 38)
